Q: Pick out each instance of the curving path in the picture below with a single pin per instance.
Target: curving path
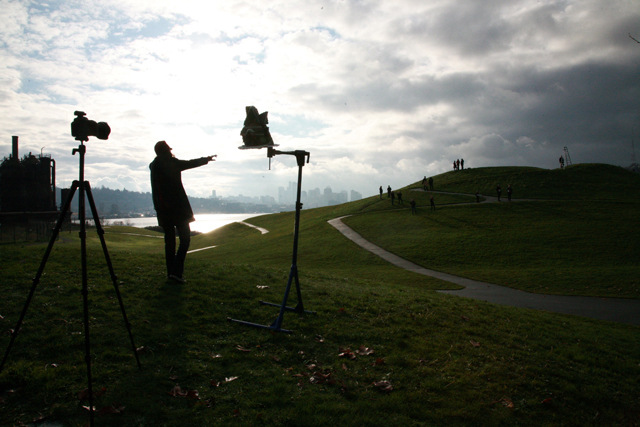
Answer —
(612, 309)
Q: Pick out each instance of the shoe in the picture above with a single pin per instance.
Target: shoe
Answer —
(177, 278)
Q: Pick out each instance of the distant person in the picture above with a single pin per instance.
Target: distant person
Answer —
(454, 165)
(462, 164)
(431, 183)
(413, 207)
(381, 192)
(458, 164)
(433, 203)
(388, 191)
(509, 191)
(561, 160)
(172, 205)
(424, 183)
(499, 191)
(400, 201)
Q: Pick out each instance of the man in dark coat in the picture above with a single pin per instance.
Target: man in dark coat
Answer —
(172, 205)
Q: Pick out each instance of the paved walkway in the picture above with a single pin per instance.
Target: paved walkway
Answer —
(613, 309)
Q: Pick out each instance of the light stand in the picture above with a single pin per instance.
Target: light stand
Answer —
(84, 187)
(293, 274)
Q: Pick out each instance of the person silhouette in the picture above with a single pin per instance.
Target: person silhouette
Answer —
(172, 205)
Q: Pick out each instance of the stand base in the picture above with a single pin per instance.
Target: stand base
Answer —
(273, 326)
(297, 308)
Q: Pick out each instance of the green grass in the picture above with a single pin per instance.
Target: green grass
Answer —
(450, 360)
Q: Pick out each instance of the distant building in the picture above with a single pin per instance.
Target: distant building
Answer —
(27, 184)
(355, 195)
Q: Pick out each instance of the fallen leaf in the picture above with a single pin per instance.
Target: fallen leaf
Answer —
(547, 401)
(174, 377)
(214, 383)
(474, 343)
(383, 386)
(364, 351)
(216, 356)
(228, 380)
(141, 350)
(345, 352)
(241, 348)
(177, 391)
(320, 378)
(276, 358)
(319, 338)
(262, 287)
(507, 402)
(344, 367)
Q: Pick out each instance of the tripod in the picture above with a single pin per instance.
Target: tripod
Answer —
(84, 187)
(293, 273)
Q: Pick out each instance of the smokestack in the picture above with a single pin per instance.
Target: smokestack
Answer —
(15, 146)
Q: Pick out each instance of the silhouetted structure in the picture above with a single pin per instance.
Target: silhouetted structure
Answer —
(27, 184)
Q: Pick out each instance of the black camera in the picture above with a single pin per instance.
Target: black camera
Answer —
(82, 128)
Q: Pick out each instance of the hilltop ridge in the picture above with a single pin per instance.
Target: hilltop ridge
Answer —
(581, 182)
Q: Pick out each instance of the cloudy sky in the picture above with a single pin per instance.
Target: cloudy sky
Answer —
(380, 92)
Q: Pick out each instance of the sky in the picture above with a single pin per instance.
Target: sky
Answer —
(378, 92)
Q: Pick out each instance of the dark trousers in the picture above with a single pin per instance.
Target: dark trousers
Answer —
(175, 260)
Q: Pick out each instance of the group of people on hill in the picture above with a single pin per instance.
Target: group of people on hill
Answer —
(499, 192)
(458, 164)
(397, 194)
(392, 195)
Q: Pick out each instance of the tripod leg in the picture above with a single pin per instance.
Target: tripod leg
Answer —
(85, 291)
(299, 306)
(36, 279)
(114, 278)
(277, 324)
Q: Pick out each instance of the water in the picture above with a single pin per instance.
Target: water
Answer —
(204, 222)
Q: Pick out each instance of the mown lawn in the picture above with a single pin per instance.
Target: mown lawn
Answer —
(381, 349)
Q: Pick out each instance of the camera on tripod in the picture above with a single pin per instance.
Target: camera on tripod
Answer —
(82, 128)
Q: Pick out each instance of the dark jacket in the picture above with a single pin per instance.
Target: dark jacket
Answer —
(169, 198)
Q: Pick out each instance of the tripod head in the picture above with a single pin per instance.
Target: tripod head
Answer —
(82, 128)
(300, 155)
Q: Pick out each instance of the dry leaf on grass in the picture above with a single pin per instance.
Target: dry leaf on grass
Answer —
(346, 352)
(364, 351)
(507, 402)
(383, 386)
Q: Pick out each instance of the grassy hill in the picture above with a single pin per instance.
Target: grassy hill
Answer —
(382, 349)
(589, 181)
